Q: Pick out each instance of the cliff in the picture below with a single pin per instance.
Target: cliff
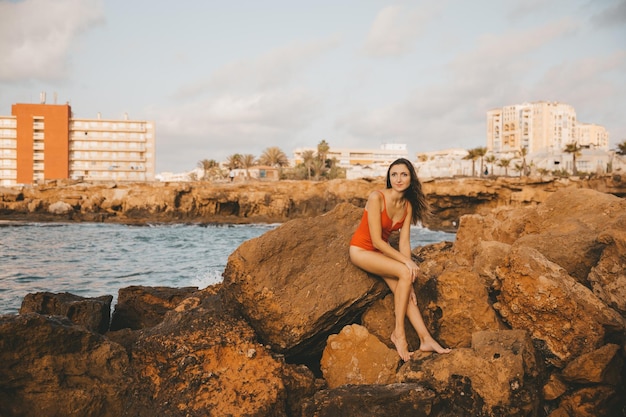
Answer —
(272, 202)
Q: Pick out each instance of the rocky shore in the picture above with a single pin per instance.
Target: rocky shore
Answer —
(531, 296)
(272, 202)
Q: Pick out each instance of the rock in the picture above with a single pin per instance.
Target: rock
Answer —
(562, 315)
(589, 213)
(139, 306)
(356, 357)
(554, 388)
(608, 276)
(296, 285)
(11, 195)
(379, 320)
(372, 401)
(601, 401)
(602, 366)
(93, 313)
(200, 360)
(60, 207)
(504, 225)
(463, 304)
(498, 376)
(51, 367)
(491, 254)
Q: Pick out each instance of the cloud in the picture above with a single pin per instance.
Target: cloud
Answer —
(510, 54)
(219, 126)
(452, 111)
(614, 15)
(395, 29)
(271, 70)
(36, 36)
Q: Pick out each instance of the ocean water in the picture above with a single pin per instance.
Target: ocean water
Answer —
(94, 259)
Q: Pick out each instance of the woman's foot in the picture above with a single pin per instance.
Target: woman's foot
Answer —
(431, 345)
(401, 346)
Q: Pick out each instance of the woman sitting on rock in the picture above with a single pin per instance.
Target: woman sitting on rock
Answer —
(403, 202)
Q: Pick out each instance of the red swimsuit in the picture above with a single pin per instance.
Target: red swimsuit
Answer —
(361, 237)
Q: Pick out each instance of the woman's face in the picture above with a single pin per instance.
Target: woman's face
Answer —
(400, 177)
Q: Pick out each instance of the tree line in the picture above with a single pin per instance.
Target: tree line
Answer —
(487, 161)
(314, 165)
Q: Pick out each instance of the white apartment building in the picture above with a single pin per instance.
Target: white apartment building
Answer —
(540, 127)
(361, 162)
(112, 150)
(444, 163)
(544, 129)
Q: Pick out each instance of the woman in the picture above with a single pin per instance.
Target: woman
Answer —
(395, 208)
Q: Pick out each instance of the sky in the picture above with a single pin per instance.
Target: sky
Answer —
(226, 77)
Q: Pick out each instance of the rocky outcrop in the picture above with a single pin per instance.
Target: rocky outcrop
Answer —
(93, 313)
(140, 307)
(536, 331)
(295, 285)
(273, 202)
(52, 367)
(201, 361)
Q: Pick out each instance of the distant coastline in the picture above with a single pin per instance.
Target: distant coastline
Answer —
(270, 201)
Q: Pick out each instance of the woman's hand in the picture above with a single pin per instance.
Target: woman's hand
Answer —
(412, 266)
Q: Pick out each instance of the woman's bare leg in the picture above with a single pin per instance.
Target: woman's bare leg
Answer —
(396, 276)
(379, 264)
(427, 342)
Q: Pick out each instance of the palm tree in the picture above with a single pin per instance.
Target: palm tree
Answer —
(523, 152)
(491, 159)
(504, 163)
(480, 153)
(308, 157)
(322, 151)
(207, 165)
(274, 157)
(473, 156)
(318, 167)
(574, 149)
(621, 148)
(247, 161)
(233, 161)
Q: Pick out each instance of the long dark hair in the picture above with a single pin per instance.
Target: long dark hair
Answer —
(413, 193)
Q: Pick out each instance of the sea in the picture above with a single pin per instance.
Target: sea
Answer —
(94, 259)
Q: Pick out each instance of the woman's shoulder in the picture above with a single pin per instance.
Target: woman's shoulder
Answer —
(377, 195)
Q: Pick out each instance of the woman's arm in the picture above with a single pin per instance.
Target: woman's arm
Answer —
(405, 234)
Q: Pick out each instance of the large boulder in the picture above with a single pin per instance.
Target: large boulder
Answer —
(93, 313)
(51, 367)
(498, 376)
(354, 356)
(296, 285)
(562, 315)
(200, 360)
(608, 277)
(139, 306)
(574, 219)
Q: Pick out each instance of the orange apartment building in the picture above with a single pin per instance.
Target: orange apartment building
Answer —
(41, 142)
